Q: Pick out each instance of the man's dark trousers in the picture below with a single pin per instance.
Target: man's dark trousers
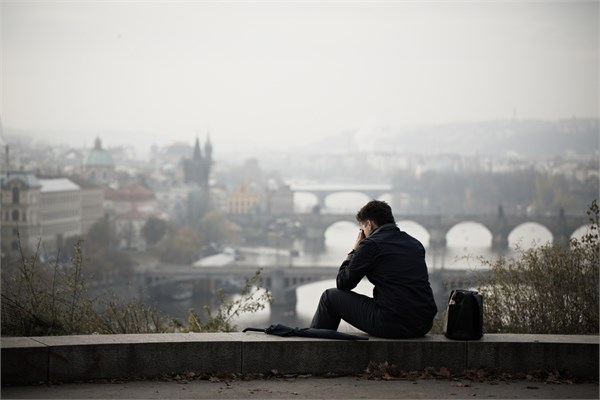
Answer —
(361, 312)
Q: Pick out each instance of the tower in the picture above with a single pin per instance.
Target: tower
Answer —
(196, 173)
(197, 168)
(99, 167)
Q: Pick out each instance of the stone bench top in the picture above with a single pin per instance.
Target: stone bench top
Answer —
(81, 340)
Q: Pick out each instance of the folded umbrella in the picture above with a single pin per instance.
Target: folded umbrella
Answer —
(283, 330)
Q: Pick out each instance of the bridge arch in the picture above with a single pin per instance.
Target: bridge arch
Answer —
(388, 198)
(415, 230)
(469, 234)
(345, 202)
(340, 235)
(529, 234)
(579, 232)
(323, 191)
(336, 219)
(344, 219)
(305, 202)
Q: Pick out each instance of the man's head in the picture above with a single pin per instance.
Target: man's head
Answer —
(374, 214)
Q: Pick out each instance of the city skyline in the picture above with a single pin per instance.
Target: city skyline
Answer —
(263, 75)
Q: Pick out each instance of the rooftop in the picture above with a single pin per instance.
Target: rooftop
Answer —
(98, 157)
(28, 178)
(58, 185)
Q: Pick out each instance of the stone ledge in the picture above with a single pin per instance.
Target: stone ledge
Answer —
(76, 358)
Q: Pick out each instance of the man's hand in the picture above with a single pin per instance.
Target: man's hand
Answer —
(361, 236)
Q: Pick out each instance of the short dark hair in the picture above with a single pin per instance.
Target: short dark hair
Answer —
(377, 211)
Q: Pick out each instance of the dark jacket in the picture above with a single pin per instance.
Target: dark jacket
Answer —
(394, 262)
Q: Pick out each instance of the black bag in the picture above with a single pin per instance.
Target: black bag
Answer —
(464, 316)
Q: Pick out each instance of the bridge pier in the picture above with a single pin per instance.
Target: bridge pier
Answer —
(500, 232)
(314, 241)
(560, 232)
(437, 238)
(284, 294)
(499, 242)
(321, 200)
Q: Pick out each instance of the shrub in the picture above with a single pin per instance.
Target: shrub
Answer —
(46, 299)
(551, 289)
(252, 299)
(51, 299)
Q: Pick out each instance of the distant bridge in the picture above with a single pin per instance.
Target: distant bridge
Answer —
(282, 282)
(499, 225)
(321, 191)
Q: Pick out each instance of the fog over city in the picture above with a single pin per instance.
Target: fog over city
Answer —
(187, 144)
(276, 75)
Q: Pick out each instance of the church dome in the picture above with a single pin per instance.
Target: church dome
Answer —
(98, 157)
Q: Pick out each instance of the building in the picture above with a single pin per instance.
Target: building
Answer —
(131, 206)
(92, 202)
(172, 201)
(133, 196)
(20, 211)
(129, 230)
(243, 201)
(60, 213)
(280, 200)
(47, 211)
(99, 167)
(218, 198)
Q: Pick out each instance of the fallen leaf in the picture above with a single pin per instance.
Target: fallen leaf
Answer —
(460, 384)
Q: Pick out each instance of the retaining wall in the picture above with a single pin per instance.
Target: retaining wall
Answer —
(27, 360)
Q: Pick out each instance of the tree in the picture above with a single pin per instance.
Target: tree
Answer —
(154, 230)
(104, 260)
(181, 248)
(112, 266)
(101, 236)
(217, 228)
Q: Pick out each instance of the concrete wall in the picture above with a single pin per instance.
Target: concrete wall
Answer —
(76, 358)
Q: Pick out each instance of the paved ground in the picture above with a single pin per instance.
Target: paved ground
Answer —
(308, 387)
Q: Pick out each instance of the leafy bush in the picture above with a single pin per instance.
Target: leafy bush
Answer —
(551, 289)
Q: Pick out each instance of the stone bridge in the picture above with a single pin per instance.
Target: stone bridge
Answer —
(282, 282)
(371, 190)
(314, 225)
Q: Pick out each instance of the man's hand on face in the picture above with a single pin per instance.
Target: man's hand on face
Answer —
(361, 236)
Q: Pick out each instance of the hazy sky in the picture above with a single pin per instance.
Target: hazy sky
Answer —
(271, 74)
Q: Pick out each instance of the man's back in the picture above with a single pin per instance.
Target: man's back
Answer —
(402, 305)
(399, 274)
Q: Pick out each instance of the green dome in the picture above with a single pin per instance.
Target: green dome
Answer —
(99, 157)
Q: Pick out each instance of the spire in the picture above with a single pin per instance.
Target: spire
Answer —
(208, 147)
(197, 152)
(97, 144)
